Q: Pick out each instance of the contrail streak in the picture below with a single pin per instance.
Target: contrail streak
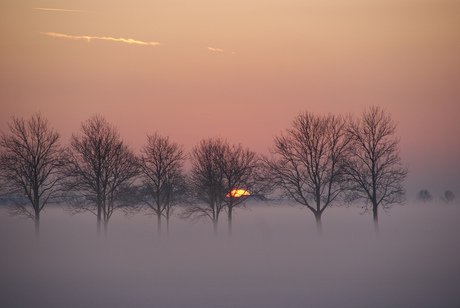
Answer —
(104, 38)
(216, 49)
(58, 10)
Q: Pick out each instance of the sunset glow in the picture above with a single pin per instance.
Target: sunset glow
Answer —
(183, 68)
(238, 193)
(229, 153)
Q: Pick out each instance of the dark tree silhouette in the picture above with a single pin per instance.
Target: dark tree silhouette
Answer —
(448, 196)
(239, 168)
(424, 195)
(30, 162)
(218, 170)
(206, 183)
(101, 167)
(307, 161)
(375, 169)
(163, 177)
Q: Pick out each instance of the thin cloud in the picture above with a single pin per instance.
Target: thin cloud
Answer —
(56, 10)
(216, 49)
(220, 50)
(104, 38)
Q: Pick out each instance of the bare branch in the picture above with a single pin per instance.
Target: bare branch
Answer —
(30, 162)
(101, 167)
(375, 170)
(307, 161)
(163, 177)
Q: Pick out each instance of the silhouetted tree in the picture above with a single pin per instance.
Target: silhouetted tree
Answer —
(375, 169)
(448, 196)
(218, 171)
(206, 182)
(239, 168)
(30, 161)
(424, 195)
(101, 167)
(163, 177)
(307, 161)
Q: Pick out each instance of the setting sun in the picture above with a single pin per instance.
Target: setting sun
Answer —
(238, 193)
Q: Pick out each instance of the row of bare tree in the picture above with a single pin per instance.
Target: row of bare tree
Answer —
(324, 159)
(424, 195)
(319, 161)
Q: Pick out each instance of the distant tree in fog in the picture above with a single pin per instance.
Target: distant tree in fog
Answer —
(448, 196)
(163, 179)
(239, 168)
(424, 195)
(219, 169)
(30, 160)
(206, 183)
(102, 168)
(375, 170)
(307, 161)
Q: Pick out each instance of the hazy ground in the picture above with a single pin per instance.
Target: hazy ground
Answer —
(273, 259)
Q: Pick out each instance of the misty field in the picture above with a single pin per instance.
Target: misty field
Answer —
(273, 259)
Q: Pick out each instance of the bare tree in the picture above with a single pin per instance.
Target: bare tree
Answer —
(239, 168)
(101, 167)
(307, 161)
(220, 173)
(30, 161)
(161, 165)
(424, 195)
(206, 183)
(448, 196)
(375, 168)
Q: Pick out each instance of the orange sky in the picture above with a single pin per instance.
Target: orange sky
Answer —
(239, 69)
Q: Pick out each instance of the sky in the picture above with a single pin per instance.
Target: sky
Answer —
(241, 70)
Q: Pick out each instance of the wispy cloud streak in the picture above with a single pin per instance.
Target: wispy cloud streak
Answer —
(56, 10)
(220, 50)
(216, 49)
(104, 38)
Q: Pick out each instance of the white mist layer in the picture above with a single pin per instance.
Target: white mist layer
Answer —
(273, 259)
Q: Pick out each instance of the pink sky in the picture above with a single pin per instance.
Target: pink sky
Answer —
(239, 69)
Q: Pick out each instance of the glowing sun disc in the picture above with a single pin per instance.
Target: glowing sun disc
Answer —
(238, 193)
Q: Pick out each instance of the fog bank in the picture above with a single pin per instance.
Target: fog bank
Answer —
(273, 259)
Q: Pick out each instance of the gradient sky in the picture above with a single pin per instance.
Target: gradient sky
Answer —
(239, 69)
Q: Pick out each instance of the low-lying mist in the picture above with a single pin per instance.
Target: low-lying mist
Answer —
(274, 258)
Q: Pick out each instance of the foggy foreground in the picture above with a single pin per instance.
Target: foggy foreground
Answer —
(273, 259)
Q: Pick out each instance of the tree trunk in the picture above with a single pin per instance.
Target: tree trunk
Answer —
(99, 219)
(159, 224)
(375, 214)
(37, 225)
(214, 222)
(36, 205)
(376, 219)
(106, 224)
(167, 226)
(319, 229)
(230, 220)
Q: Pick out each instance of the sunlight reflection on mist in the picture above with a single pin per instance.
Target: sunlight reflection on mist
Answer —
(273, 259)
